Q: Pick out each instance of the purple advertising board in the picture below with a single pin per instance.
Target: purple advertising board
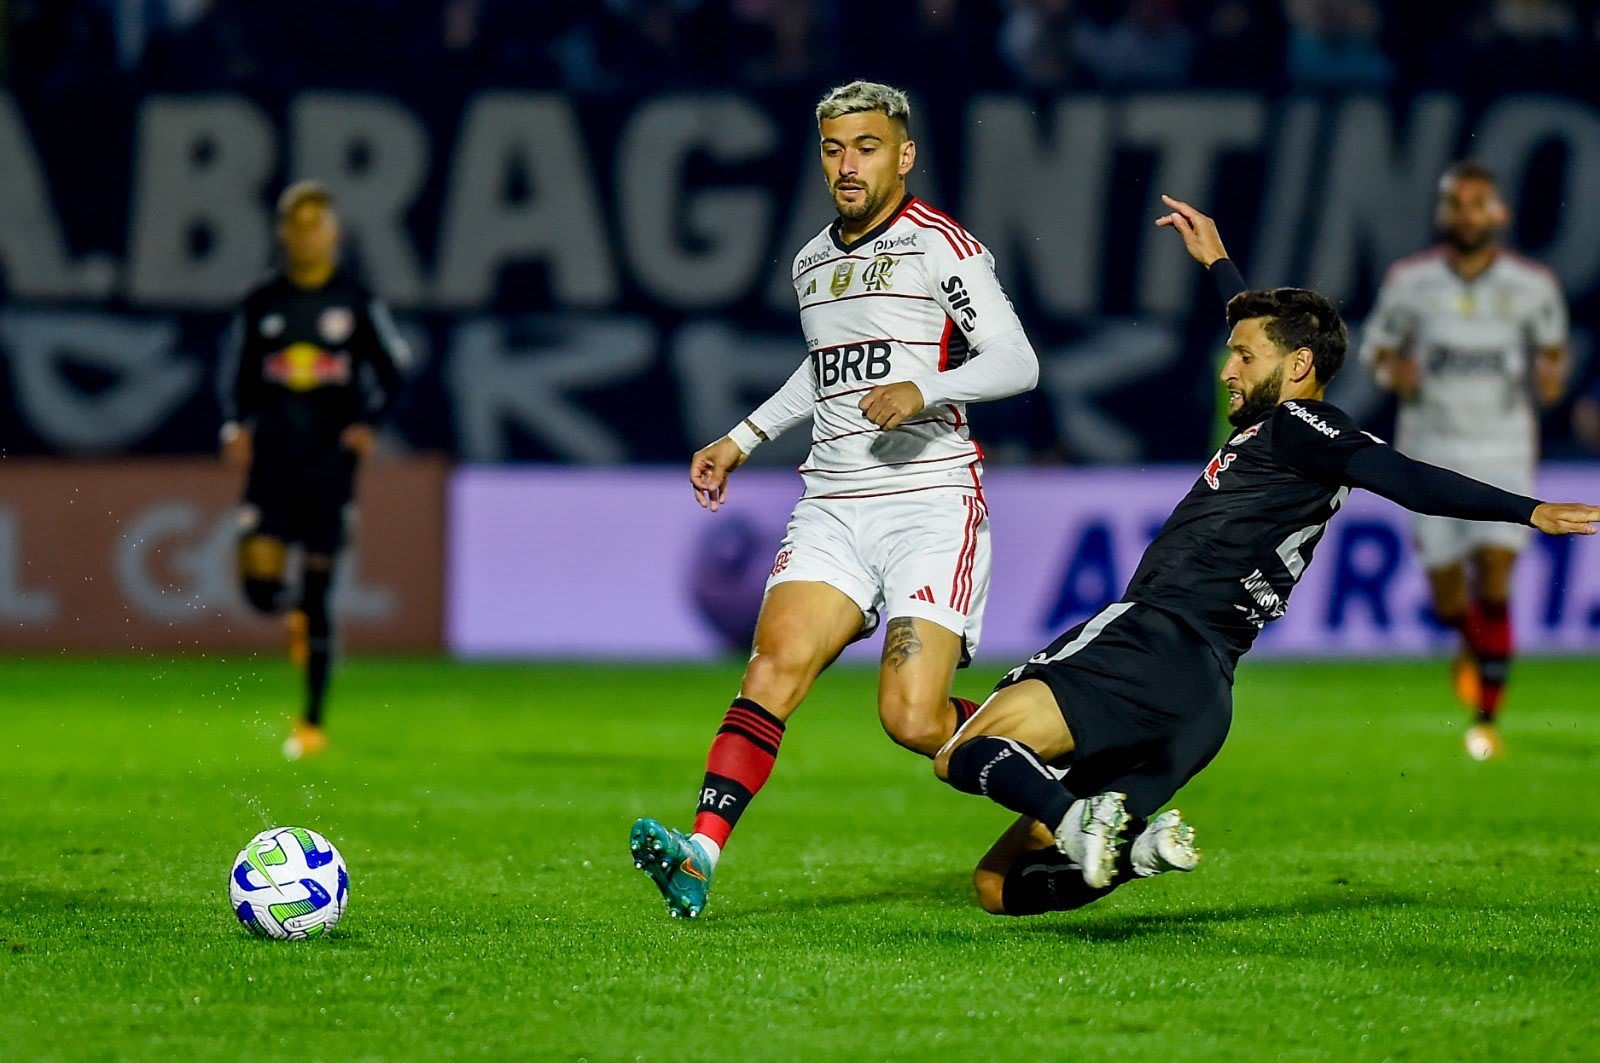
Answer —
(570, 563)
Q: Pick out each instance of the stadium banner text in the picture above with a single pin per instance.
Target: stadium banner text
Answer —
(139, 557)
(607, 280)
(587, 564)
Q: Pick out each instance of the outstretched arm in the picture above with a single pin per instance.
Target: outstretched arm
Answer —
(1424, 488)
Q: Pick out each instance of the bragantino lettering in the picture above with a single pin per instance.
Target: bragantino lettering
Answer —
(855, 362)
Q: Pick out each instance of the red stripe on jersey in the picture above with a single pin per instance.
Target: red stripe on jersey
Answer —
(866, 295)
(842, 394)
(944, 343)
(866, 431)
(878, 339)
(891, 464)
(949, 237)
(973, 247)
(906, 491)
(928, 218)
(977, 483)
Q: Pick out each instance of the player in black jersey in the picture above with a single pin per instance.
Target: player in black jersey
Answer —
(315, 364)
(1102, 727)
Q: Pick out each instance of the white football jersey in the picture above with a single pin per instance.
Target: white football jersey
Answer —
(910, 298)
(1473, 342)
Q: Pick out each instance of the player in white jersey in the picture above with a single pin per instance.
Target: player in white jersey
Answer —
(1471, 337)
(905, 323)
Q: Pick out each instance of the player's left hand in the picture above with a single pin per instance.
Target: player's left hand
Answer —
(1549, 381)
(889, 405)
(1566, 518)
(358, 439)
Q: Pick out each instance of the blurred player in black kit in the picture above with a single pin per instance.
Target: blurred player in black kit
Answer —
(1096, 732)
(315, 364)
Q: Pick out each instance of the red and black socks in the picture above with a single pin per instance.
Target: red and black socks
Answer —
(1489, 635)
(965, 709)
(739, 764)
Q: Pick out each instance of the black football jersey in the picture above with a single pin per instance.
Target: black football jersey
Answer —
(1232, 551)
(309, 362)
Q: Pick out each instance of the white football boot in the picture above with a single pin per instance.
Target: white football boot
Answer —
(1089, 835)
(1167, 844)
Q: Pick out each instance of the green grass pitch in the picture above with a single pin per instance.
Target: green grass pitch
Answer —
(1367, 890)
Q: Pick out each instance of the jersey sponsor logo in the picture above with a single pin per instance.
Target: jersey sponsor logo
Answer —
(842, 273)
(889, 243)
(1312, 419)
(1216, 467)
(875, 278)
(1467, 361)
(336, 324)
(1270, 605)
(856, 361)
(961, 302)
(305, 366)
(272, 325)
(816, 258)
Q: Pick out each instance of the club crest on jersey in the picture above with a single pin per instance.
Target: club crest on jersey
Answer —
(1248, 434)
(336, 324)
(875, 278)
(1216, 467)
(842, 274)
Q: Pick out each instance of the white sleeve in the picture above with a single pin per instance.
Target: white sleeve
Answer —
(1547, 325)
(1000, 366)
(1390, 325)
(791, 404)
(961, 275)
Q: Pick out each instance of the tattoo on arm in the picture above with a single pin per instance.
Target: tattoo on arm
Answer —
(901, 643)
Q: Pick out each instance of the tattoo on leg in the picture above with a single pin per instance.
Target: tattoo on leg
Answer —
(901, 643)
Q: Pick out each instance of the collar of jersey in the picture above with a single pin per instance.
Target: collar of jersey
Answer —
(876, 231)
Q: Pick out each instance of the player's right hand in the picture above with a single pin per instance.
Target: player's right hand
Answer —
(237, 444)
(709, 469)
(1566, 518)
(1199, 232)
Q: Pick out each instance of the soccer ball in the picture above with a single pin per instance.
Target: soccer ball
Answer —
(289, 882)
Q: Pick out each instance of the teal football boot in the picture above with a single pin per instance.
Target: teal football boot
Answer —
(675, 863)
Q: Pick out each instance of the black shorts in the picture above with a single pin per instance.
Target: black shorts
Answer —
(1146, 700)
(303, 502)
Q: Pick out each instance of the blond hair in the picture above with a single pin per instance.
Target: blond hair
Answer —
(301, 193)
(862, 96)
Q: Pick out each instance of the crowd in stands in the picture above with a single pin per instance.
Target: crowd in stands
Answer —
(627, 46)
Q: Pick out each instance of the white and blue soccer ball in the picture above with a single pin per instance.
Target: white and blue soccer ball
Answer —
(289, 882)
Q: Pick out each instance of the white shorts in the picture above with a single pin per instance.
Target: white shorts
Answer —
(1446, 541)
(924, 554)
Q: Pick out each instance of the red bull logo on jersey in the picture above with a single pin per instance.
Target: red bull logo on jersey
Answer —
(1216, 467)
(304, 366)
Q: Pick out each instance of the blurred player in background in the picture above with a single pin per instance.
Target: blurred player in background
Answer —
(315, 365)
(905, 323)
(1469, 336)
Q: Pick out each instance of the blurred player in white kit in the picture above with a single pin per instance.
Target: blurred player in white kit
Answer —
(905, 323)
(1471, 337)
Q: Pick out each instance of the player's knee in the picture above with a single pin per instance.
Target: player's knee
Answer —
(264, 595)
(920, 724)
(776, 681)
(988, 888)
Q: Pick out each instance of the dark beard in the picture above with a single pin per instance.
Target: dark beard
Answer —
(865, 209)
(1258, 401)
(1463, 246)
